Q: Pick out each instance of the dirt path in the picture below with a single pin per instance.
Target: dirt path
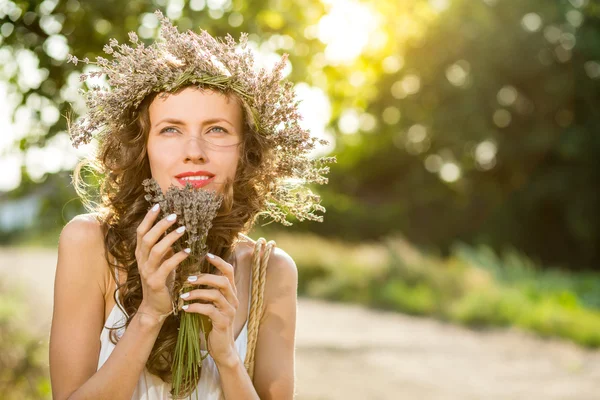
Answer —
(348, 352)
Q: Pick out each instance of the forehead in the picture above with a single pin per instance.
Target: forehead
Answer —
(195, 105)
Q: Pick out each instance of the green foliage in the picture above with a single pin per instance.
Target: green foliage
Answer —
(528, 94)
(473, 286)
(23, 357)
(526, 90)
(515, 270)
(418, 299)
(481, 308)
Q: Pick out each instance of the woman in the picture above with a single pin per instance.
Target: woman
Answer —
(188, 105)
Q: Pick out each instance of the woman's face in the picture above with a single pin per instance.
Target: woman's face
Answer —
(194, 137)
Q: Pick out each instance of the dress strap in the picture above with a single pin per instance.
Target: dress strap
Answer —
(260, 259)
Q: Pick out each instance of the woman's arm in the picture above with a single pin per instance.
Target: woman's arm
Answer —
(274, 355)
(78, 319)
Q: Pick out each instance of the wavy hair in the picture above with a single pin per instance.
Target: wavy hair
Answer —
(118, 168)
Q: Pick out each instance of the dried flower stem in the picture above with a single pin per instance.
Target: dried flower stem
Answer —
(197, 209)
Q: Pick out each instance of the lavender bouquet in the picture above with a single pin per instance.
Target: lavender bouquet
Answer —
(197, 209)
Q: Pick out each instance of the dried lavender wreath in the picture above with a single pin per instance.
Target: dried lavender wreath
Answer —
(183, 59)
(197, 209)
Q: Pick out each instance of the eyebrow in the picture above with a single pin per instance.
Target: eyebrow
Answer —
(180, 122)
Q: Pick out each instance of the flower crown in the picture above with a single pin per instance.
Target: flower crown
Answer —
(182, 59)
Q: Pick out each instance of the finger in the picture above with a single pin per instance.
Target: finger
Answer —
(151, 236)
(213, 295)
(218, 319)
(217, 281)
(168, 266)
(224, 267)
(147, 222)
(160, 249)
(170, 252)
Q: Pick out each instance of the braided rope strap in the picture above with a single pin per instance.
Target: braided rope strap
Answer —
(260, 258)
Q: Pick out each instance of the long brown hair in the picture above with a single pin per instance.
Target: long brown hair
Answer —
(119, 166)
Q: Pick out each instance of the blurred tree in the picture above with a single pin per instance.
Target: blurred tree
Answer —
(463, 120)
(36, 37)
(485, 133)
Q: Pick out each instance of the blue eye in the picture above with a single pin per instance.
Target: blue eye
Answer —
(215, 129)
(169, 129)
(218, 127)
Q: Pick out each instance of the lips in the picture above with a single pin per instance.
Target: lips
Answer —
(197, 179)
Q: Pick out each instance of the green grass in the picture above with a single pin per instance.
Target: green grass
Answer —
(23, 362)
(473, 286)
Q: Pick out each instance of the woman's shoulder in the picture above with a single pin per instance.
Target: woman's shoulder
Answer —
(81, 255)
(282, 273)
(280, 267)
(81, 246)
(83, 229)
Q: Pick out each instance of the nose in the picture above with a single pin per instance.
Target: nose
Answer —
(194, 150)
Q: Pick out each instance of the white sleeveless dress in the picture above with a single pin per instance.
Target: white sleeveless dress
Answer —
(151, 387)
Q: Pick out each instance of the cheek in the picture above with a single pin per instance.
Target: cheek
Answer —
(159, 152)
(235, 162)
(158, 164)
(152, 155)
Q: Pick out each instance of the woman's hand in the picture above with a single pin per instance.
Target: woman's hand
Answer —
(221, 306)
(154, 263)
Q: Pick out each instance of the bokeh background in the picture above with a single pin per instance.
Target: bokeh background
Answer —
(467, 187)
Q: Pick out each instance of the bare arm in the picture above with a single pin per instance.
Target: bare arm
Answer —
(274, 354)
(78, 319)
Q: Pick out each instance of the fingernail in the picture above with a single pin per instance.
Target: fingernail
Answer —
(188, 250)
(185, 307)
(210, 255)
(180, 229)
(192, 278)
(171, 217)
(155, 208)
(185, 295)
